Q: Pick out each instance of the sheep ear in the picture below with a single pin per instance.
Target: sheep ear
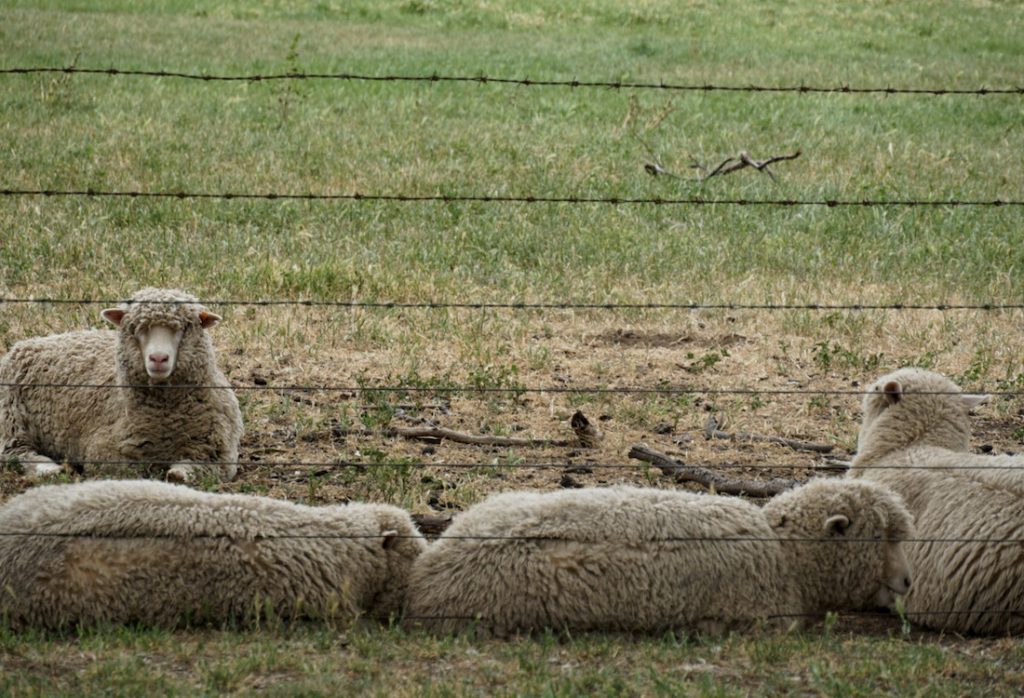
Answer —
(390, 538)
(836, 525)
(893, 392)
(208, 319)
(972, 401)
(113, 315)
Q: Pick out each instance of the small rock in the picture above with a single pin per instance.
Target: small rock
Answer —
(569, 482)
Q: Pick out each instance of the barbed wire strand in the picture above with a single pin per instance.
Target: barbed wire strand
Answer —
(521, 82)
(513, 199)
(403, 305)
(529, 538)
(593, 390)
(483, 621)
(417, 465)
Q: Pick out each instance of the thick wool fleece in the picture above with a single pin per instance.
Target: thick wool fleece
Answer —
(916, 441)
(152, 422)
(632, 559)
(155, 553)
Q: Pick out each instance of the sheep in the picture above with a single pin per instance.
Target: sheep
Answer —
(155, 553)
(646, 560)
(174, 406)
(915, 439)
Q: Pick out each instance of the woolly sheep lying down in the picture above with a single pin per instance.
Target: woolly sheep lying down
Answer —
(155, 553)
(161, 349)
(917, 441)
(632, 559)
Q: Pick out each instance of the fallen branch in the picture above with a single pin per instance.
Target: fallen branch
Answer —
(437, 434)
(710, 479)
(711, 431)
(587, 435)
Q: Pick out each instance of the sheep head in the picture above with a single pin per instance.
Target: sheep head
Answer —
(913, 406)
(843, 540)
(158, 329)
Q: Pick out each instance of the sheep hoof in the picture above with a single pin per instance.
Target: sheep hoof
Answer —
(36, 466)
(178, 474)
(42, 469)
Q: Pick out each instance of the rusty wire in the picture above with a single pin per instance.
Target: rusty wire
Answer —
(522, 82)
(511, 390)
(509, 199)
(340, 464)
(470, 305)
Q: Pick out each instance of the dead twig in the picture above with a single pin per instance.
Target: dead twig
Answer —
(744, 160)
(711, 431)
(710, 479)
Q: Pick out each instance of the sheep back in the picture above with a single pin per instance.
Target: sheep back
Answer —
(160, 554)
(621, 558)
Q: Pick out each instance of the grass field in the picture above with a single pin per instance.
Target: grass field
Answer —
(320, 136)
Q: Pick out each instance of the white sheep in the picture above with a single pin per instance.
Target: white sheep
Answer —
(160, 554)
(915, 438)
(648, 560)
(179, 409)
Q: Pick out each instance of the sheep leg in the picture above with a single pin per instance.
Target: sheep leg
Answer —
(36, 465)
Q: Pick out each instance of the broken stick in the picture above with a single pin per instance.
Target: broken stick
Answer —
(710, 479)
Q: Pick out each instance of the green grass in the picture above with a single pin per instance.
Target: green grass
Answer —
(62, 131)
(314, 661)
(324, 136)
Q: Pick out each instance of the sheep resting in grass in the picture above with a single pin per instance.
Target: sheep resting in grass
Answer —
(915, 439)
(140, 551)
(174, 407)
(647, 560)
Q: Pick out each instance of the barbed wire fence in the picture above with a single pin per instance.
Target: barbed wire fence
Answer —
(359, 197)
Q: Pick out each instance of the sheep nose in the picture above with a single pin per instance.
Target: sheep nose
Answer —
(906, 583)
(159, 358)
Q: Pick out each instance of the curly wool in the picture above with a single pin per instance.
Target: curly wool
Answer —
(916, 440)
(140, 423)
(633, 559)
(160, 554)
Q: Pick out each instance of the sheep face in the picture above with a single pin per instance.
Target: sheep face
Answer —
(852, 556)
(159, 347)
(898, 573)
(912, 405)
